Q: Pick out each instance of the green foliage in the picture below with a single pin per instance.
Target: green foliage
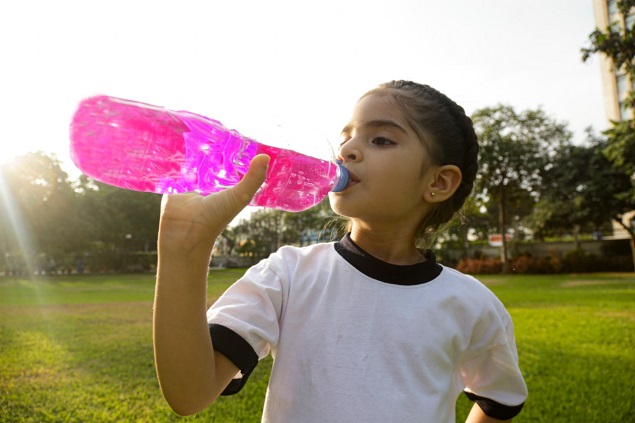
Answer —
(48, 223)
(267, 230)
(579, 192)
(515, 148)
(36, 210)
(620, 149)
(79, 349)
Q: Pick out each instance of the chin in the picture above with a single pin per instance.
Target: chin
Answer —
(337, 202)
(348, 211)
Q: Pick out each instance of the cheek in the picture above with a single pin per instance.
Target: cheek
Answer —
(403, 175)
(405, 186)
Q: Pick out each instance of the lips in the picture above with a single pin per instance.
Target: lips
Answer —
(352, 179)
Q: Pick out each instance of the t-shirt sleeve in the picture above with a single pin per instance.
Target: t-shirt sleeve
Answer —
(490, 370)
(244, 321)
(239, 352)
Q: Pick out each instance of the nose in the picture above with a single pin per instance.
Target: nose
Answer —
(349, 152)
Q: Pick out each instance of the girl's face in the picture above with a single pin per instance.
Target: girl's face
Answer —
(388, 166)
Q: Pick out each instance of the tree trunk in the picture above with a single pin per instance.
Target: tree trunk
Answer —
(576, 237)
(503, 229)
(631, 233)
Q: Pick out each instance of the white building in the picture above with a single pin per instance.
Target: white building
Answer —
(615, 82)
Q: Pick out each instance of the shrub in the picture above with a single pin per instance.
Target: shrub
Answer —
(580, 261)
(474, 266)
(529, 264)
(577, 261)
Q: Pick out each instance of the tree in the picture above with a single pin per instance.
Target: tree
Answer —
(116, 223)
(515, 150)
(578, 193)
(308, 226)
(617, 43)
(267, 230)
(38, 213)
(49, 223)
(474, 219)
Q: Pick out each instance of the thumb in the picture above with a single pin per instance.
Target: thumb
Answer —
(253, 179)
(223, 206)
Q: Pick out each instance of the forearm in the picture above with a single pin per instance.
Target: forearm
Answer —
(190, 372)
(183, 350)
(478, 416)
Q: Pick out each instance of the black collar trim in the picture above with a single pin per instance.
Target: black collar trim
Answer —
(414, 274)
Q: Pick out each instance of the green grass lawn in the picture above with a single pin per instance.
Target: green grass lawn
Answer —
(79, 349)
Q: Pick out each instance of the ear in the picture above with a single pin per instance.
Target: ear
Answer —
(441, 183)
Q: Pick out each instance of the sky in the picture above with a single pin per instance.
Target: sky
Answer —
(258, 66)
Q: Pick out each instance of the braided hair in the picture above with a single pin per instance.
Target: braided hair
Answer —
(449, 137)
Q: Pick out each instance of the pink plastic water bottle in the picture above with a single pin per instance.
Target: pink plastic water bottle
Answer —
(147, 148)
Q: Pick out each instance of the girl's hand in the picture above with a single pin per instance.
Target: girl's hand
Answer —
(190, 223)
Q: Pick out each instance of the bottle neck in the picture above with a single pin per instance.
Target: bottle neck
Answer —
(342, 178)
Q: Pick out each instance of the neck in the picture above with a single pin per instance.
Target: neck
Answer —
(396, 246)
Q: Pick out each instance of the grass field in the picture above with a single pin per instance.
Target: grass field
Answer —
(79, 349)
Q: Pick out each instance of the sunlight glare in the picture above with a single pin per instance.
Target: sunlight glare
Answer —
(17, 226)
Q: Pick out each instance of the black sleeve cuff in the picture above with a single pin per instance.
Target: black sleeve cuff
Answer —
(495, 409)
(238, 351)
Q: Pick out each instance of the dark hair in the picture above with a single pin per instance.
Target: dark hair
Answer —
(448, 135)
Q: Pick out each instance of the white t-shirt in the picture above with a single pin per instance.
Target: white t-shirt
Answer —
(355, 339)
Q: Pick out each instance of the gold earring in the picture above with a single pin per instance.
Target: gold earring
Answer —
(432, 194)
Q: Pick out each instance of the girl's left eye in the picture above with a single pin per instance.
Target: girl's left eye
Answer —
(382, 141)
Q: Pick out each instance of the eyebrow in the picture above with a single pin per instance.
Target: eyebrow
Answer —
(377, 123)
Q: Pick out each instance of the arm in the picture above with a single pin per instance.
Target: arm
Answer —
(191, 374)
(478, 416)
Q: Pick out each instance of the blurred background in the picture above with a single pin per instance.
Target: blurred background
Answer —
(288, 74)
(251, 63)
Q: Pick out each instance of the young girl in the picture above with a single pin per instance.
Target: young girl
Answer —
(366, 329)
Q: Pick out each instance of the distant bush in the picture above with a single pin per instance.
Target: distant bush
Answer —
(581, 261)
(483, 265)
(534, 265)
(576, 261)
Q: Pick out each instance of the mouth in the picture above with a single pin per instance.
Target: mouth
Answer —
(352, 179)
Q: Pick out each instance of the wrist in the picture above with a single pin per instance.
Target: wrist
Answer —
(184, 258)
(186, 243)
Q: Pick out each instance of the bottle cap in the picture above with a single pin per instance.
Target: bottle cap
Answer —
(343, 181)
